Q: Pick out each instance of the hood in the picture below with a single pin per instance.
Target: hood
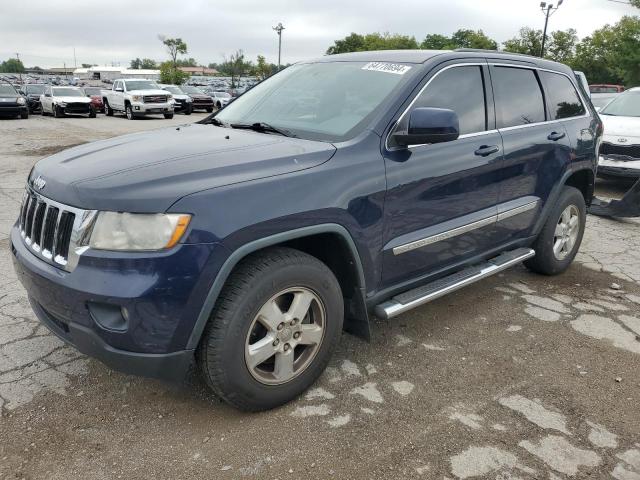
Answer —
(180, 97)
(200, 96)
(73, 99)
(153, 91)
(616, 128)
(149, 171)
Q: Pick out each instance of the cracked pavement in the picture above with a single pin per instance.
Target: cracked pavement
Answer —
(517, 377)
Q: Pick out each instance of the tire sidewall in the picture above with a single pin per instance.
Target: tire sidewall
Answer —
(237, 377)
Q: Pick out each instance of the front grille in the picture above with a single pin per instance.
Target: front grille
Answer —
(154, 99)
(630, 151)
(77, 107)
(52, 230)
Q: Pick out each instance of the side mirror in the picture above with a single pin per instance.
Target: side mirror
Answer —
(429, 125)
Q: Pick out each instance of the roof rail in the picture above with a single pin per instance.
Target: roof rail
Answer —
(499, 52)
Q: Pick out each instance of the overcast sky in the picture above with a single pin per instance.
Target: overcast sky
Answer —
(45, 32)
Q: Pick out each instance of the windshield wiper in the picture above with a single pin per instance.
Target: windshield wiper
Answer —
(217, 123)
(263, 127)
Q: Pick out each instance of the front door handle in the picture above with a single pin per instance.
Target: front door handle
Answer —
(486, 150)
(555, 136)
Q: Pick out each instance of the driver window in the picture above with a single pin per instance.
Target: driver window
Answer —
(460, 89)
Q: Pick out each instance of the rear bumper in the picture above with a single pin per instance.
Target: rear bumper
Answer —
(619, 168)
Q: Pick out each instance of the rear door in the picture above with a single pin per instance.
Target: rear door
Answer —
(536, 149)
(441, 198)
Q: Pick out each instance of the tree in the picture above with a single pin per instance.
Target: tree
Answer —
(562, 46)
(635, 3)
(188, 62)
(472, 39)
(175, 47)
(435, 41)
(528, 42)
(235, 66)
(372, 41)
(171, 75)
(13, 65)
(145, 63)
(262, 69)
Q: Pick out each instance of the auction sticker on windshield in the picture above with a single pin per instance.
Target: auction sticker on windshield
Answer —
(395, 68)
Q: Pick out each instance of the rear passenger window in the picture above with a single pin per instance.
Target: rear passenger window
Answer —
(563, 98)
(519, 100)
(460, 89)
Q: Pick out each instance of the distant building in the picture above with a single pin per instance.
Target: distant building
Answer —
(200, 71)
(111, 73)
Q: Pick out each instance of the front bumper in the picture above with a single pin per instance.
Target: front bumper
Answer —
(34, 104)
(76, 109)
(140, 108)
(6, 110)
(155, 297)
(619, 168)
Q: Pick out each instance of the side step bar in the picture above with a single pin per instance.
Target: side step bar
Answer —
(427, 293)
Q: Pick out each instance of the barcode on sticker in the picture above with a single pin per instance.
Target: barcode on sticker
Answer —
(387, 67)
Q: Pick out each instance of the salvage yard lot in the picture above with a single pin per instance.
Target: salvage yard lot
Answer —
(519, 376)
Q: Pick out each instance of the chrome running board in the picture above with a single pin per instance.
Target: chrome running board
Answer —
(427, 293)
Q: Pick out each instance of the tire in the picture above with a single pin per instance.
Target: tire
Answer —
(24, 115)
(554, 233)
(57, 113)
(218, 105)
(168, 116)
(188, 110)
(128, 111)
(223, 353)
(92, 112)
(209, 109)
(107, 108)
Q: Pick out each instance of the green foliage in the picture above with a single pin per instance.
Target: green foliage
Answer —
(145, 63)
(528, 42)
(171, 75)
(635, 3)
(435, 41)
(175, 47)
(235, 66)
(562, 46)
(372, 41)
(263, 69)
(12, 65)
(472, 39)
(188, 62)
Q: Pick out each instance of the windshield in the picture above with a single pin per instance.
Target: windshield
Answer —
(92, 91)
(7, 90)
(319, 101)
(67, 92)
(624, 105)
(141, 85)
(34, 89)
(222, 94)
(604, 89)
(601, 99)
(172, 89)
(190, 89)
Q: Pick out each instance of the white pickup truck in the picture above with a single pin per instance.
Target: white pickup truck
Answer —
(137, 98)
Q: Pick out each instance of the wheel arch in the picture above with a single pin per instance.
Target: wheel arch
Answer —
(315, 241)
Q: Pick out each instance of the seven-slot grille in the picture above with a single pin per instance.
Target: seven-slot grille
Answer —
(46, 227)
(154, 99)
(631, 151)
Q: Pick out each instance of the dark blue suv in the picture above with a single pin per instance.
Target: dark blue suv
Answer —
(350, 185)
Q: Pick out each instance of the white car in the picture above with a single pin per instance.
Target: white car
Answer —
(221, 99)
(61, 101)
(181, 101)
(136, 98)
(620, 148)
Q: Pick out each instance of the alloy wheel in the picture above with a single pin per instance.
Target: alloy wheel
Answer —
(566, 233)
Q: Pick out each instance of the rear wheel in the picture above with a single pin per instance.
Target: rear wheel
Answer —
(274, 328)
(561, 236)
(107, 108)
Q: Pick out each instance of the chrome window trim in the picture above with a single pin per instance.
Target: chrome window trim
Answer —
(497, 130)
(454, 232)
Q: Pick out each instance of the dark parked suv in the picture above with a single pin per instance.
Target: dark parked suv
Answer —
(350, 185)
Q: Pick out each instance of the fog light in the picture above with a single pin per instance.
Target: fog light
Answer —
(137, 107)
(108, 316)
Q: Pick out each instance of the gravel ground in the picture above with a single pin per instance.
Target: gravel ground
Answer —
(517, 377)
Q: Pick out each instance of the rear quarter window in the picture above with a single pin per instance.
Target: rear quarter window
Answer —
(519, 99)
(564, 101)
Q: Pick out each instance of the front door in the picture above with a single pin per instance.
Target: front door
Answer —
(441, 199)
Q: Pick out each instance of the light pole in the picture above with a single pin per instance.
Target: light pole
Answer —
(279, 28)
(547, 10)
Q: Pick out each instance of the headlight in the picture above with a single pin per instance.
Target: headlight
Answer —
(62, 104)
(21, 101)
(136, 98)
(189, 100)
(137, 231)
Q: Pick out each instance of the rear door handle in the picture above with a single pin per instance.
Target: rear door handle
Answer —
(486, 150)
(555, 136)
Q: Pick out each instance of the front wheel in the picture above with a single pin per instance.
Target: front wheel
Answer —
(168, 116)
(129, 112)
(561, 236)
(209, 109)
(57, 112)
(92, 112)
(276, 323)
(24, 115)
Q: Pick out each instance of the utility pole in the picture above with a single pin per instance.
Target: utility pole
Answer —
(20, 73)
(279, 28)
(75, 64)
(547, 11)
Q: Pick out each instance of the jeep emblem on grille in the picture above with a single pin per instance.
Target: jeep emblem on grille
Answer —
(622, 140)
(39, 182)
